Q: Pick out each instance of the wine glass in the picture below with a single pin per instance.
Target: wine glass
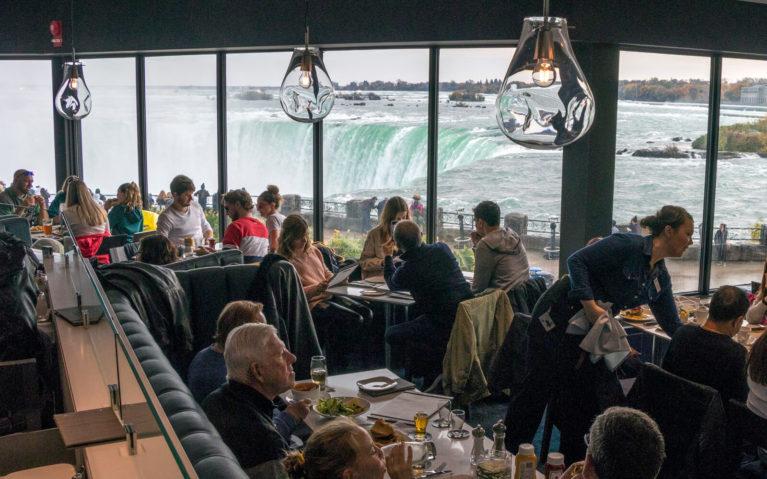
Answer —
(319, 371)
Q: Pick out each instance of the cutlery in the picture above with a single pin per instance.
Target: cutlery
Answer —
(436, 473)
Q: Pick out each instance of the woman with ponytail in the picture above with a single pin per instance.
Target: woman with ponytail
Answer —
(268, 204)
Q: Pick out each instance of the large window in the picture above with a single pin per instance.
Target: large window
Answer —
(477, 162)
(374, 140)
(264, 146)
(26, 127)
(109, 133)
(739, 238)
(181, 126)
(662, 109)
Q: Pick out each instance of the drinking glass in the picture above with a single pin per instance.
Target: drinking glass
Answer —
(48, 227)
(443, 421)
(319, 371)
(743, 335)
(421, 420)
(457, 418)
(494, 465)
(423, 452)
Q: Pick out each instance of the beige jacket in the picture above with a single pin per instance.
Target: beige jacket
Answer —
(372, 256)
(478, 332)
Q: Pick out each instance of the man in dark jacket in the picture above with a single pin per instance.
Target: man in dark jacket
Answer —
(258, 368)
(431, 273)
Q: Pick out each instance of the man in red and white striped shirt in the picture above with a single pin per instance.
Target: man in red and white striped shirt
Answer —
(245, 232)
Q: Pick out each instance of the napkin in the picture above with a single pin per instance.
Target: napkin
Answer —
(403, 407)
(402, 385)
(606, 338)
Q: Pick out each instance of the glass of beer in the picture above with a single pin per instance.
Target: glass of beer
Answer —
(421, 419)
(319, 371)
(48, 227)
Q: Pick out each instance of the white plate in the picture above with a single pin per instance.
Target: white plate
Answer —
(646, 317)
(372, 292)
(376, 384)
(362, 402)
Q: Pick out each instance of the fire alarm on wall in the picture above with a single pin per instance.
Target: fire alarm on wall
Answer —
(56, 33)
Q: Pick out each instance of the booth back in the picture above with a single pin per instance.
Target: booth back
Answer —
(219, 258)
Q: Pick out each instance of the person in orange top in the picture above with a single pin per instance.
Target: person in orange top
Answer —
(337, 323)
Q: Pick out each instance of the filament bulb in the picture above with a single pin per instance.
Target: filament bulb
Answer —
(305, 80)
(544, 74)
(73, 83)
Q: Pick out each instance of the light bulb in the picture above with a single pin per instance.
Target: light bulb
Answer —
(556, 108)
(306, 93)
(305, 80)
(544, 74)
(73, 99)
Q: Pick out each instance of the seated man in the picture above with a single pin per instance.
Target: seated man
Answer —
(707, 354)
(500, 259)
(184, 218)
(258, 368)
(245, 232)
(18, 199)
(431, 273)
(623, 443)
(208, 369)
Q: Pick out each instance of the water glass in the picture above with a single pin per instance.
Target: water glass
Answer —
(743, 335)
(319, 371)
(457, 419)
(443, 421)
(423, 452)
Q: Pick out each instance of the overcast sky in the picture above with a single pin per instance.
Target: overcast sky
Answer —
(267, 69)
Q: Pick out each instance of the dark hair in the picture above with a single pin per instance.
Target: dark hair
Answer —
(727, 304)
(236, 314)
(625, 443)
(271, 195)
(181, 184)
(489, 212)
(634, 219)
(239, 196)
(293, 227)
(329, 451)
(756, 365)
(157, 249)
(407, 235)
(669, 215)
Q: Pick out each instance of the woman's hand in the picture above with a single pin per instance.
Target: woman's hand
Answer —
(108, 204)
(593, 312)
(397, 466)
(388, 248)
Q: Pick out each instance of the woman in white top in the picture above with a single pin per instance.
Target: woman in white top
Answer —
(756, 375)
(268, 204)
(758, 309)
(84, 215)
(372, 256)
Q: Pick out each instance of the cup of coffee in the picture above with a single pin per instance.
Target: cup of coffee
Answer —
(701, 315)
(304, 390)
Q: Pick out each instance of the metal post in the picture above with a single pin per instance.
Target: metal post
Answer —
(143, 175)
(317, 204)
(432, 164)
(223, 179)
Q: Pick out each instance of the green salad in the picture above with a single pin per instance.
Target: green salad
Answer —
(337, 407)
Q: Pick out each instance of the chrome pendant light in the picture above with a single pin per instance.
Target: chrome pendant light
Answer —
(73, 99)
(306, 93)
(545, 101)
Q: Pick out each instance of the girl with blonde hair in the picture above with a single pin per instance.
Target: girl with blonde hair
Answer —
(84, 215)
(372, 256)
(125, 213)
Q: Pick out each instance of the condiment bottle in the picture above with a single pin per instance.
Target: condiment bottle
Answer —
(478, 433)
(525, 462)
(555, 466)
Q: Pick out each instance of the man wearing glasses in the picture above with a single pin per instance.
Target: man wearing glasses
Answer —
(18, 199)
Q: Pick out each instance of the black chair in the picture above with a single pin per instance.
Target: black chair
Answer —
(137, 237)
(744, 428)
(16, 226)
(20, 396)
(110, 242)
(692, 420)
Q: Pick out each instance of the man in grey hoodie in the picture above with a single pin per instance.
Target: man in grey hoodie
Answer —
(500, 259)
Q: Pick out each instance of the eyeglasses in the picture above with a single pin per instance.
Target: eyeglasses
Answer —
(586, 439)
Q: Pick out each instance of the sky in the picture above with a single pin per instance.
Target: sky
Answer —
(267, 69)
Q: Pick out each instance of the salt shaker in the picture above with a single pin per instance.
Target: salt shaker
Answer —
(478, 433)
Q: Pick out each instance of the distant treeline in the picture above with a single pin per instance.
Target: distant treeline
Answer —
(470, 86)
(680, 90)
(742, 137)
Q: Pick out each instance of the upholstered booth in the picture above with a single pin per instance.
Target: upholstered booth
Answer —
(219, 258)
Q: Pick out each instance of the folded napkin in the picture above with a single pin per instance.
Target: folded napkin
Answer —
(402, 385)
(403, 407)
(606, 338)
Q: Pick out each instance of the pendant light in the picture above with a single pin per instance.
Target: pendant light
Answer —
(545, 101)
(73, 99)
(306, 93)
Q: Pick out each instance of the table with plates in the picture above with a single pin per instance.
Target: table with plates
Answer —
(456, 453)
(376, 290)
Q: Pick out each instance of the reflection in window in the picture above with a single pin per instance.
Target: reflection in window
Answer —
(181, 126)
(110, 155)
(739, 238)
(477, 162)
(27, 134)
(374, 140)
(662, 109)
(264, 146)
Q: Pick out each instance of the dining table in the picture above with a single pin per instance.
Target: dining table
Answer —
(455, 453)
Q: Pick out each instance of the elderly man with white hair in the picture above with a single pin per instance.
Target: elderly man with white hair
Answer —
(623, 443)
(258, 368)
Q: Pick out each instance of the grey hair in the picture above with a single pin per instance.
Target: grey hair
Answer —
(245, 345)
(407, 235)
(625, 443)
